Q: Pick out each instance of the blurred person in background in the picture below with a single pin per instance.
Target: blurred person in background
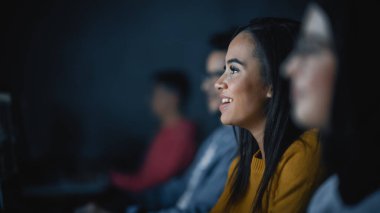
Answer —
(201, 185)
(198, 189)
(326, 70)
(170, 153)
(174, 145)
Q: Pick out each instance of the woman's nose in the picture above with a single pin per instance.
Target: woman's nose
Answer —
(220, 83)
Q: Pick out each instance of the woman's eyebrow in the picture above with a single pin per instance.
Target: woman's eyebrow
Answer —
(235, 60)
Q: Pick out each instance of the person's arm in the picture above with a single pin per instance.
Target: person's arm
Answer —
(166, 195)
(223, 199)
(162, 197)
(163, 162)
(212, 186)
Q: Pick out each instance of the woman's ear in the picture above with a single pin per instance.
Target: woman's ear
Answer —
(269, 92)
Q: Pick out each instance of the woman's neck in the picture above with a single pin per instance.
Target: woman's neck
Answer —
(257, 130)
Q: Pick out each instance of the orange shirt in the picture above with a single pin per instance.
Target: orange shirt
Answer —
(297, 174)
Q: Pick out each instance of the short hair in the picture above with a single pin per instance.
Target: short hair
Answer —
(175, 80)
(221, 40)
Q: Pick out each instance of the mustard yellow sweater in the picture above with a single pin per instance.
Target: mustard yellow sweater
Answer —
(297, 174)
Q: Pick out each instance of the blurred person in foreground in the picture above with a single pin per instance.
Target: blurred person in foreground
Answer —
(335, 89)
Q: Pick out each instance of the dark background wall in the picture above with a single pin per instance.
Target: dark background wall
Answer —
(80, 70)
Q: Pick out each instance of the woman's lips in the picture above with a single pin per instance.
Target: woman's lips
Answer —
(224, 102)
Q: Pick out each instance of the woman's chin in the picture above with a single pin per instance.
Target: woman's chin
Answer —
(225, 120)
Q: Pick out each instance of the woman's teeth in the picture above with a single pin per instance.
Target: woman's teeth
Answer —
(226, 100)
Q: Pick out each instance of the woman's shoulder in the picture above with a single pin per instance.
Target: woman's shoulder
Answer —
(303, 155)
(234, 162)
(233, 165)
(307, 144)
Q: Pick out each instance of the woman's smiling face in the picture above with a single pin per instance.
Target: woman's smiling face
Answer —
(243, 93)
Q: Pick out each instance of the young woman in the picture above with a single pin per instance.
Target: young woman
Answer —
(278, 166)
(333, 73)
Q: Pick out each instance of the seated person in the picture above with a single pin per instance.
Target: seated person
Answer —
(198, 189)
(201, 185)
(173, 147)
(279, 164)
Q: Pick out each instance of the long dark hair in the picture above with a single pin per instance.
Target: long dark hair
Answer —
(274, 38)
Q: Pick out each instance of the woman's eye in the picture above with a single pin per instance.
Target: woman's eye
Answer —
(234, 69)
